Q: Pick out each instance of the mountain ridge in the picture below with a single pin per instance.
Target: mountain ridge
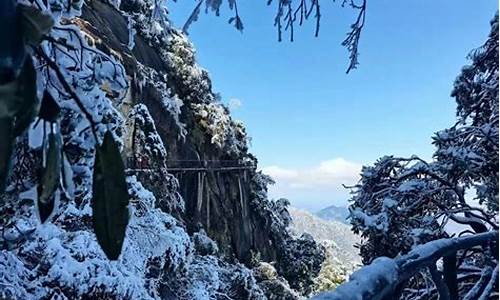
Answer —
(334, 213)
(334, 234)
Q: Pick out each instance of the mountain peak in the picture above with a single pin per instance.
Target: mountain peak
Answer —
(334, 213)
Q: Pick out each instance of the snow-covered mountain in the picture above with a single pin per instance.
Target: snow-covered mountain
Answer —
(334, 213)
(337, 238)
(336, 235)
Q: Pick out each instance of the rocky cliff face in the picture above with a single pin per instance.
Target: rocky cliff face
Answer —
(199, 226)
(194, 128)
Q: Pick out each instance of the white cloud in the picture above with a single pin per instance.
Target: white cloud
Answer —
(329, 173)
(280, 173)
(235, 103)
(316, 186)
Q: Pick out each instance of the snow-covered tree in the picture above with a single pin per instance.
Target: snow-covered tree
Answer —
(401, 203)
(468, 151)
(332, 274)
(397, 204)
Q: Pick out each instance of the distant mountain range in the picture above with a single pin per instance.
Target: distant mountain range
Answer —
(336, 236)
(334, 213)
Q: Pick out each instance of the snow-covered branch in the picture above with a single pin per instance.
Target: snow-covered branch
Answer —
(379, 279)
(290, 13)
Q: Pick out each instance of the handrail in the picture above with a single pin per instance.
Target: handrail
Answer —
(145, 170)
(142, 165)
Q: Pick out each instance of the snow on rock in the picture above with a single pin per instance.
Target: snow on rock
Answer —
(203, 244)
(170, 101)
(70, 263)
(214, 279)
(224, 132)
(145, 131)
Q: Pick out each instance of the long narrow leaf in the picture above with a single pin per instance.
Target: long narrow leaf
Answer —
(6, 139)
(110, 198)
(50, 177)
(29, 104)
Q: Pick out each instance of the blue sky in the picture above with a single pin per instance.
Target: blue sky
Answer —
(313, 126)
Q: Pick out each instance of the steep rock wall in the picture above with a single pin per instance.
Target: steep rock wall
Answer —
(225, 211)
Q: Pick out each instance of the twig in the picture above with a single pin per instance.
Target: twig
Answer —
(53, 65)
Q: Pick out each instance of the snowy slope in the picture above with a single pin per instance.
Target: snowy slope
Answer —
(335, 235)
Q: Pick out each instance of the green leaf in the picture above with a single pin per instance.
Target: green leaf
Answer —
(50, 176)
(35, 24)
(6, 139)
(26, 92)
(49, 110)
(109, 198)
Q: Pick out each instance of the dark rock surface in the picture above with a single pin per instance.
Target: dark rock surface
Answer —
(225, 213)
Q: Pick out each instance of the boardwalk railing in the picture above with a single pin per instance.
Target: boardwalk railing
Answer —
(136, 165)
(380, 279)
(200, 169)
